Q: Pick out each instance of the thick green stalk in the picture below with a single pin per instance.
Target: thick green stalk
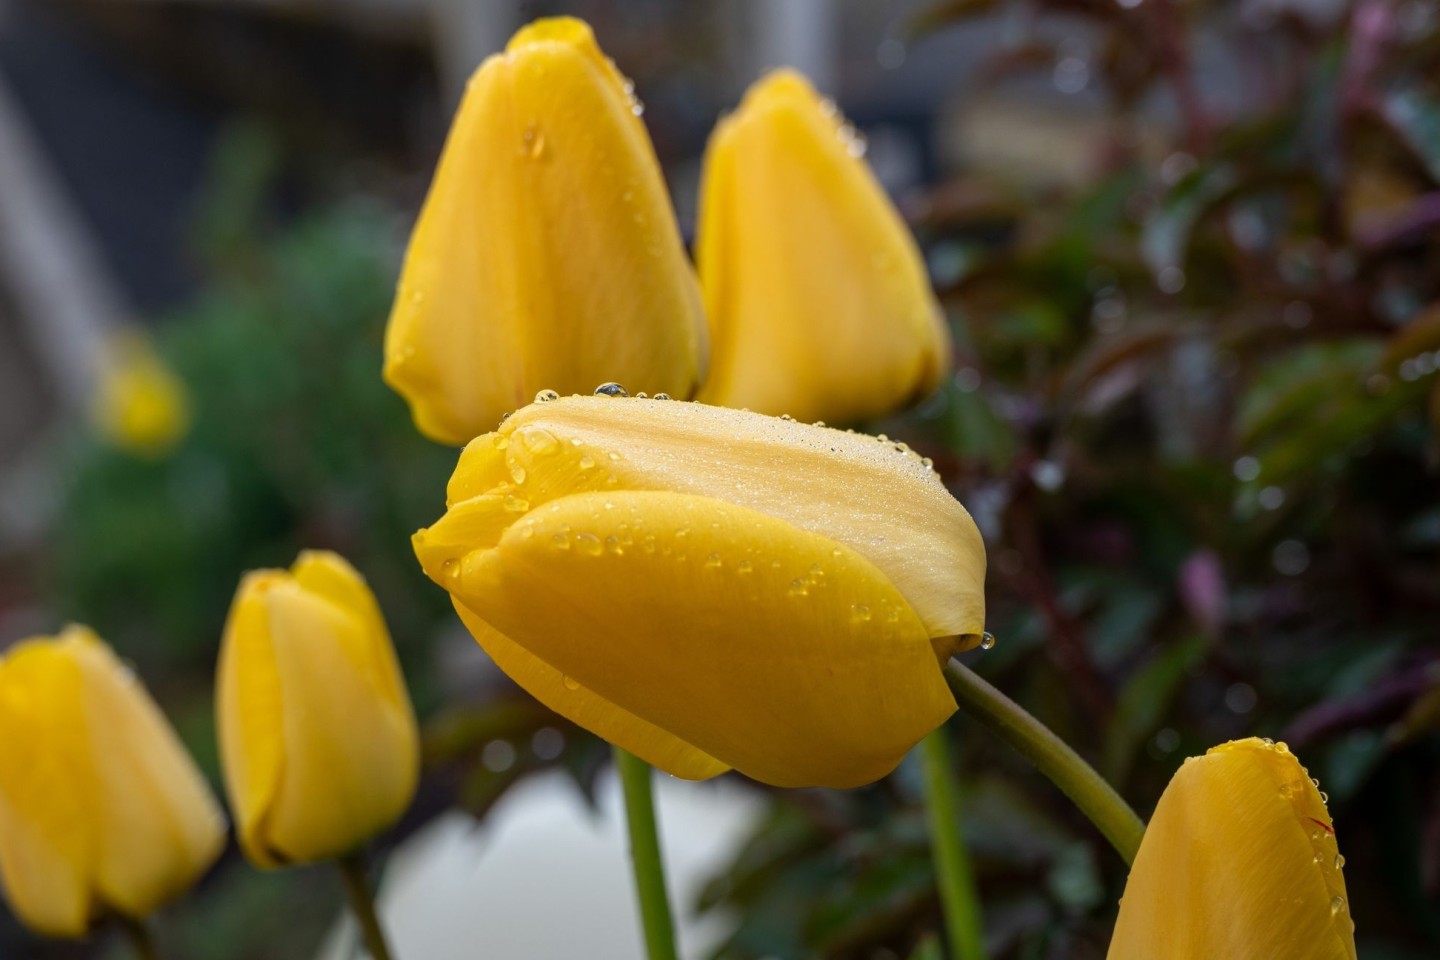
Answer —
(362, 904)
(1051, 755)
(655, 920)
(958, 897)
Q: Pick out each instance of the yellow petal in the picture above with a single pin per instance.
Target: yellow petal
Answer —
(817, 296)
(140, 406)
(100, 807)
(318, 738)
(1239, 861)
(873, 498)
(547, 254)
(249, 715)
(47, 833)
(159, 826)
(779, 652)
(584, 707)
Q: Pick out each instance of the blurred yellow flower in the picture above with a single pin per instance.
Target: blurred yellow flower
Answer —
(547, 253)
(140, 405)
(1240, 862)
(101, 809)
(711, 588)
(817, 296)
(317, 736)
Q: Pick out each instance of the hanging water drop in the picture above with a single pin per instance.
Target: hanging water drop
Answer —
(987, 640)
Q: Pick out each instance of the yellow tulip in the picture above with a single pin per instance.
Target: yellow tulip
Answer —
(140, 406)
(712, 588)
(547, 253)
(1239, 862)
(101, 809)
(817, 296)
(317, 736)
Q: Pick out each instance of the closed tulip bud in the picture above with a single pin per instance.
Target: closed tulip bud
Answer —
(817, 296)
(547, 253)
(1240, 862)
(317, 735)
(140, 406)
(101, 809)
(711, 588)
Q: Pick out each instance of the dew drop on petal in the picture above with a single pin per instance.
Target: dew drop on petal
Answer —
(987, 640)
(545, 396)
(611, 389)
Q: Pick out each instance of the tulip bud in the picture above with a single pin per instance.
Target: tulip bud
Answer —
(547, 253)
(317, 737)
(711, 588)
(1239, 861)
(818, 300)
(140, 405)
(101, 809)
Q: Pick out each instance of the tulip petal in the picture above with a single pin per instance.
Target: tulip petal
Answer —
(46, 831)
(817, 296)
(547, 254)
(1239, 861)
(159, 825)
(873, 497)
(780, 652)
(250, 714)
(340, 779)
(587, 709)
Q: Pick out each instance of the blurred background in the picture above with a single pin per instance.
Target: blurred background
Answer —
(1190, 251)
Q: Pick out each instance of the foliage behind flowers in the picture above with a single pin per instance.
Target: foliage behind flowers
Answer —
(295, 444)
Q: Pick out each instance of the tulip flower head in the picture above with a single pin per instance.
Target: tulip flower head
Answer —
(547, 253)
(140, 405)
(317, 736)
(816, 293)
(101, 809)
(1239, 861)
(712, 588)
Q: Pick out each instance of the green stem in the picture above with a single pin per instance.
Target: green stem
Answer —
(958, 896)
(362, 904)
(1086, 788)
(137, 931)
(645, 855)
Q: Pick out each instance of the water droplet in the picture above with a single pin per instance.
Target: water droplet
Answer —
(500, 441)
(883, 438)
(517, 472)
(819, 423)
(1324, 797)
(892, 615)
(928, 464)
(589, 544)
(1339, 861)
(561, 541)
(1267, 741)
(859, 613)
(516, 504)
(611, 389)
(586, 462)
(642, 395)
(527, 531)
(744, 566)
(612, 543)
(1336, 905)
(987, 640)
(713, 561)
(786, 416)
(545, 396)
(613, 455)
(534, 140)
(451, 569)
(540, 441)
(637, 108)
(662, 396)
(570, 684)
(799, 588)
(1315, 780)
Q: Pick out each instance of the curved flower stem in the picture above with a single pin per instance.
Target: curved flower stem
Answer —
(362, 904)
(958, 897)
(142, 941)
(655, 919)
(1051, 755)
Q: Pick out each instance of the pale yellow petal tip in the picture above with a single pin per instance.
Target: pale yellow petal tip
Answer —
(785, 85)
(326, 561)
(571, 31)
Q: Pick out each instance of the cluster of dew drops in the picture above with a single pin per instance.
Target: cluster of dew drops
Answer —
(1287, 791)
(613, 389)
